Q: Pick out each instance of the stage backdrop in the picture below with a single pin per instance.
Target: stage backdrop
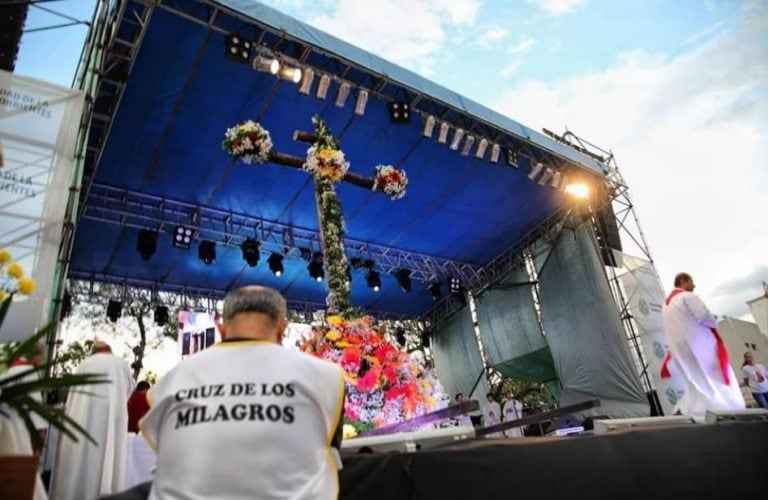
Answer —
(582, 327)
(197, 332)
(38, 130)
(457, 356)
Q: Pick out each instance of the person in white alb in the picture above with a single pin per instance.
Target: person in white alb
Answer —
(84, 470)
(513, 410)
(699, 353)
(247, 418)
(756, 377)
(491, 414)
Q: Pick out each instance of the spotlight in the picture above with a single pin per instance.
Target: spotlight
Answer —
(556, 180)
(535, 171)
(548, 174)
(577, 190)
(341, 96)
(238, 49)
(373, 280)
(362, 100)
(182, 237)
(161, 315)
(404, 279)
(495, 153)
(511, 155)
(266, 64)
(434, 290)
(429, 126)
(251, 254)
(114, 310)
(290, 74)
(206, 251)
(275, 262)
(481, 147)
(307, 77)
(316, 271)
(322, 87)
(442, 137)
(146, 244)
(468, 142)
(454, 285)
(399, 112)
(458, 135)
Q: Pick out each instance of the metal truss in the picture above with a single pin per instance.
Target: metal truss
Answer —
(143, 211)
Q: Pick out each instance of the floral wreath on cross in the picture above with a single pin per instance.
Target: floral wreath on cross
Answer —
(324, 158)
(248, 142)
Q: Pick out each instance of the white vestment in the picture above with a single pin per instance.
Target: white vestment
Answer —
(247, 419)
(513, 410)
(491, 416)
(85, 471)
(693, 346)
(14, 436)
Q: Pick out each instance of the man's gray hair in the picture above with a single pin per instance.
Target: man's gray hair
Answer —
(255, 299)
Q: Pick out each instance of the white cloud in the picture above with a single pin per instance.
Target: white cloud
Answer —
(557, 7)
(509, 69)
(521, 47)
(690, 135)
(492, 35)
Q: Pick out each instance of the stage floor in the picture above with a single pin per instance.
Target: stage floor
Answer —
(723, 461)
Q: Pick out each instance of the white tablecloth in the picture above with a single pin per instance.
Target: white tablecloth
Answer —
(141, 461)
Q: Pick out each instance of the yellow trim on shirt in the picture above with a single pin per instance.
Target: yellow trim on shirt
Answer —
(243, 342)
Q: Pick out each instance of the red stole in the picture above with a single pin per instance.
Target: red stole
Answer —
(20, 362)
(722, 352)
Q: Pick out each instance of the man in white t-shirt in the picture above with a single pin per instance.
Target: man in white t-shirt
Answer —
(756, 377)
(247, 418)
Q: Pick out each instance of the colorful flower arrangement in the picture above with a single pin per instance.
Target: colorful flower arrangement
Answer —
(385, 384)
(247, 141)
(12, 279)
(326, 163)
(391, 181)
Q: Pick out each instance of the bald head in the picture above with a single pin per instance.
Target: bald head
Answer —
(684, 281)
(100, 347)
(254, 312)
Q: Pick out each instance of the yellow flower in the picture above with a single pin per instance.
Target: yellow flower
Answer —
(333, 335)
(325, 154)
(3, 295)
(342, 344)
(348, 431)
(5, 256)
(334, 320)
(27, 286)
(15, 270)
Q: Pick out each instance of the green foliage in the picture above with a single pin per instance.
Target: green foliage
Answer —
(533, 395)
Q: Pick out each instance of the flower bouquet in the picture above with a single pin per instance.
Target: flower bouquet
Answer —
(391, 181)
(247, 141)
(326, 163)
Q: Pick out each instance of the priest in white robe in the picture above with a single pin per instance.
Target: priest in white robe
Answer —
(14, 435)
(491, 414)
(83, 470)
(513, 410)
(699, 353)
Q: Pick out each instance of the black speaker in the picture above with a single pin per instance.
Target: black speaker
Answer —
(607, 234)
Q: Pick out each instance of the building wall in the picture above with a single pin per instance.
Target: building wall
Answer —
(739, 337)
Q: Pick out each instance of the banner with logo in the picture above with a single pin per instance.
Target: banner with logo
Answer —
(38, 130)
(644, 300)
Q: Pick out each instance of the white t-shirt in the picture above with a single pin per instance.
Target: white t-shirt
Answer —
(753, 374)
(247, 419)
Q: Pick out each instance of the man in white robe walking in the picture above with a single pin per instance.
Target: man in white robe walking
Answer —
(491, 414)
(699, 353)
(83, 470)
(513, 410)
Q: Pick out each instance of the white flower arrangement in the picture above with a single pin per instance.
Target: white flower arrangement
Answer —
(326, 162)
(391, 181)
(248, 142)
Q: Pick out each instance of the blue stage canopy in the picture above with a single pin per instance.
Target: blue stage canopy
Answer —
(168, 94)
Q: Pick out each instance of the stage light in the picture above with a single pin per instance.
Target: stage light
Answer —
(307, 77)
(290, 74)
(468, 142)
(548, 174)
(399, 112)
(577, 190)
(511, 155)
(373, 279)
(275, 262)
(238, 49)
(161, 315)
(556, 180)
(266, 64)
(356, 262)
(251, 254)
(458, 135)
(206, 251)
(322, 87)
(454, 285)
(114, 310)
(369, 263)
(442, 137)
(404, 279)
(362, 101)
(316, 271)
(434, 290)
(182, 237)
(146, 244)
(481, 147)
(495, 153)
(341, 96)
(535, 171)
(429, 126)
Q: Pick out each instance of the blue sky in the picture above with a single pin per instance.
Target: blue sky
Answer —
(677, 89)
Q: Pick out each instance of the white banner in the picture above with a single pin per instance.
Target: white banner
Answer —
(644, 300)
(38, 131)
